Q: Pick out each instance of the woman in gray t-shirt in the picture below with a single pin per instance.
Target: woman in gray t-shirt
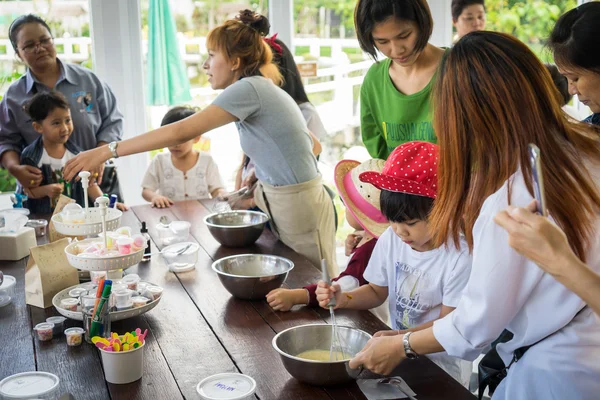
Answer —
(272, 132)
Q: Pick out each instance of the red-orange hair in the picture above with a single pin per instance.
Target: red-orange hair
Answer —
(243, 39)
(493, 97)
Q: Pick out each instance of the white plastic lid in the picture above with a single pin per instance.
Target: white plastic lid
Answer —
(9, 282)
(69, 301)
(28, 384)
(56, 320)
(228, 386)
(24, 211)
(131, 278)
(5, 300)
(74, 331)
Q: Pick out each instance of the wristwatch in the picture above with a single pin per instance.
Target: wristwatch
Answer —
(112, 146)
(410, 353)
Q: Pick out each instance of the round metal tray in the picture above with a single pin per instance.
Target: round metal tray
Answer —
(114, 315)
(92, 225)
(101, 263)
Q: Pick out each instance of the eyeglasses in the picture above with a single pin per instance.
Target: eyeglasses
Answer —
(31, 48)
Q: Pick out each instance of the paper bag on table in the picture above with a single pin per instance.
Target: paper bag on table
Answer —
(47, 273)
(53, 236)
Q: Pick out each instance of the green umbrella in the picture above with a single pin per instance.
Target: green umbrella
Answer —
(167, 79)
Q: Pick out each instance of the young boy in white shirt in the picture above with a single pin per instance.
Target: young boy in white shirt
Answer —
(423, 283)
(182, 174)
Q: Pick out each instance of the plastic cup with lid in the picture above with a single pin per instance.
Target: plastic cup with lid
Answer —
(131, 280)
(74, 336)
(73, 214)
(29, 385)
(59, 324)
(124, 245)
(153, 292)
(7, 290)
(123, 298)
(44, 331)
(95, 276)
(69, 304)
(76, 292)
(227, 386)
(139, 301)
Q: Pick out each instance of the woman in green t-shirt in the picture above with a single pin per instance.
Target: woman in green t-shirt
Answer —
(395, 95)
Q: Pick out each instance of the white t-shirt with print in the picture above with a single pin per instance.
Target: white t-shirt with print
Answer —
(418, 284)
(55, 163)
(197, 183)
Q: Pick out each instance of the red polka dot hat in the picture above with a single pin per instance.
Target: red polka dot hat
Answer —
(411, 169)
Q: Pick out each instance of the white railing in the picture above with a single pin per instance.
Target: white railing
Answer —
(337, 114)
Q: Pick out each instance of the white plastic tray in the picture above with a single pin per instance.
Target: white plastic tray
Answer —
(102, 263)
(114, 315)
(92, 225)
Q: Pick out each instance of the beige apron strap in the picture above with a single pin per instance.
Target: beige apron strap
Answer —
(263, 203)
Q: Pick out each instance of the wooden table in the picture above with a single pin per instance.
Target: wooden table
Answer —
(196, 331)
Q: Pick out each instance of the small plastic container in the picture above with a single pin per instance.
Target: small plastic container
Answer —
(123, 299)
(29, 385)
(142, 286)
(95, 276)
(73, 214)
(154, 291)
(59, 324)
(74, 336)
(124, 231)
(77, 292)
(131, 281)
(139, 301)
(139, 241)
(111, 239)
(69, 304)
(124, 245)
(227, 386)
(181, 262)
(115, 275)
(8, 285)
(44, 331)
(181, 231)
(39, 225)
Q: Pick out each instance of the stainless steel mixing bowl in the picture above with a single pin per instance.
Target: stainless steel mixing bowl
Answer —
(236, 228)
(296, 340)
(252, 276)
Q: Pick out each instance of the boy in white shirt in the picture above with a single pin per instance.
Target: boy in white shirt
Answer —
(423, 283)
(182, 174)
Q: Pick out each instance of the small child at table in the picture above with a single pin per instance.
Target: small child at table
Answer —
(182, 174)
(51, 117)
(362, 212)
(420, 282)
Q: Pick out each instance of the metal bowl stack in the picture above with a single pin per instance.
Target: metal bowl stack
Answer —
(296, 340)
(252, 276)
(236, 228)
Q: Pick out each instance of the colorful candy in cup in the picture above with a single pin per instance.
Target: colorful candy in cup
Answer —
(95, 276)
(139, 301)
(69, 304)
(44, 331)
(74, 336)
(124, 245)
(131, 280)
(139, 242)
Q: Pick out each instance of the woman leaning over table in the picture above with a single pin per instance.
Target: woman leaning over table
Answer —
(574, 42)
(272, 132)
(484, 167)
(96, 118)
(540, 240)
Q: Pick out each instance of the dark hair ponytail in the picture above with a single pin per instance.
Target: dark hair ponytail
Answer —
(256, 21)
(19, 22)
(576, 37)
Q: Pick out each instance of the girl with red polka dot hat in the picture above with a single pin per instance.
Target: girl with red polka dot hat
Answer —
(421, 282)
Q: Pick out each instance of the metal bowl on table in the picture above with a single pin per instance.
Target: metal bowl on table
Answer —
(299, 339)
(236, 228)
(252, 276)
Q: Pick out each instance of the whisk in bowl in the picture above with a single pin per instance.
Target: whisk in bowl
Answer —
(336, 348)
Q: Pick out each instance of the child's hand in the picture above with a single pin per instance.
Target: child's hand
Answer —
(388, 333)
(326, 292)
(352, 241)
(159, 201)
(54, 190)
(122, 206)
(284, 299)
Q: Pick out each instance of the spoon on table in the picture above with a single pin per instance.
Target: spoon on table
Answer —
(397, 382)
(175, 253)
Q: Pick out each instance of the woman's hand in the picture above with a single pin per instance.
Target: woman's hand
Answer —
(27, 175)
(159, 201)
(380, 355)
(388, 333)
(86, 161)
(536, 238)
(97, 173)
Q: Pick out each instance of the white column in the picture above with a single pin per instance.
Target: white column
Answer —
(281, 17)
(442, 22)
(116, 33)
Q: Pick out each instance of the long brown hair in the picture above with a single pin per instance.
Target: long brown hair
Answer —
(493, 97)
(242, 38)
